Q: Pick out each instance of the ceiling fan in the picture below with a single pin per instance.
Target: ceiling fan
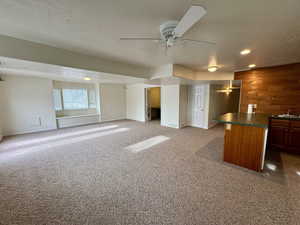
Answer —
(172, 31)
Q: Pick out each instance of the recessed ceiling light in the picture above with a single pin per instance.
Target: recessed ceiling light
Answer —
(212, 69)
(245, 52)
(252, 66)
(87, 78)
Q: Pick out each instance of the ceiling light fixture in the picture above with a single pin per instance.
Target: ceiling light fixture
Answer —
(87, 78)
(252, 66)
(212, 69)
(245, 52)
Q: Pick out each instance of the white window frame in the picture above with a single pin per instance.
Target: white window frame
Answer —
(88, 99)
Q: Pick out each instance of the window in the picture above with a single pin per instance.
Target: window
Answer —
(75, 99)
(92, 99)
(57, 99)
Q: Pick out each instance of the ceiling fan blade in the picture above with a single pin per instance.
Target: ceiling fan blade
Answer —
(200, 42)
(140, 39)
(192, 16)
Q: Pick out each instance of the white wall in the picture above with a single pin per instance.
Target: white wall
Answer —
(1, 109)
(31, 51)
(183, 72)
(113, 102)
(162, 71)
(27, 105)
(187, 73)
(135, 98)
(170, 106)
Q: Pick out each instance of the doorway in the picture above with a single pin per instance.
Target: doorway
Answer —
(196, 105)
(153, 104)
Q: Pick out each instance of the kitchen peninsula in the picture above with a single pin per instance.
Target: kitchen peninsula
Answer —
(245, 139)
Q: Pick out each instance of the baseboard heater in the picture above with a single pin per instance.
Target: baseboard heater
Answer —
(71, 121)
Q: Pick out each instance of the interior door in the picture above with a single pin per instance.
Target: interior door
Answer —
(196, 105)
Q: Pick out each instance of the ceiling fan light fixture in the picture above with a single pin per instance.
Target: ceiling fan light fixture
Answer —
(245, 52)
(213, 69)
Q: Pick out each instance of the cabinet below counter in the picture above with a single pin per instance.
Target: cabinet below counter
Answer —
(284, 135)
(245, 139)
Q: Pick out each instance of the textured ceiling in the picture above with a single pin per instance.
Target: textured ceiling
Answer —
(269, 27)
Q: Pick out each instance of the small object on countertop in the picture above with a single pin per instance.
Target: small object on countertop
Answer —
(252, 108)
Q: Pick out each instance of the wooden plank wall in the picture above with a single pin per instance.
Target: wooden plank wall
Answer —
(243, 146)
(275, 90)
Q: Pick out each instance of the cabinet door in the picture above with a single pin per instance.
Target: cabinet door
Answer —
(294, 139)
(278, 137)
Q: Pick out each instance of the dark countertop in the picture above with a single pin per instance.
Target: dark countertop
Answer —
(245, 119)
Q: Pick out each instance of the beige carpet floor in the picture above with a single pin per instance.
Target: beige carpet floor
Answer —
(128, 172)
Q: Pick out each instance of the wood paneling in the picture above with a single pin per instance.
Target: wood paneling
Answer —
(244, 146)
(275, 90)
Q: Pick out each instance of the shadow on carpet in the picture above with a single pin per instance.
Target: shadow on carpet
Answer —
(213, 150)
(273, 169)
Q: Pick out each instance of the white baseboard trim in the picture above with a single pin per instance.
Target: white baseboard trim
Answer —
(143, 121)
(184, 125)
(12, 133)
(170, 126)
(111, 120)
(191, 125)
